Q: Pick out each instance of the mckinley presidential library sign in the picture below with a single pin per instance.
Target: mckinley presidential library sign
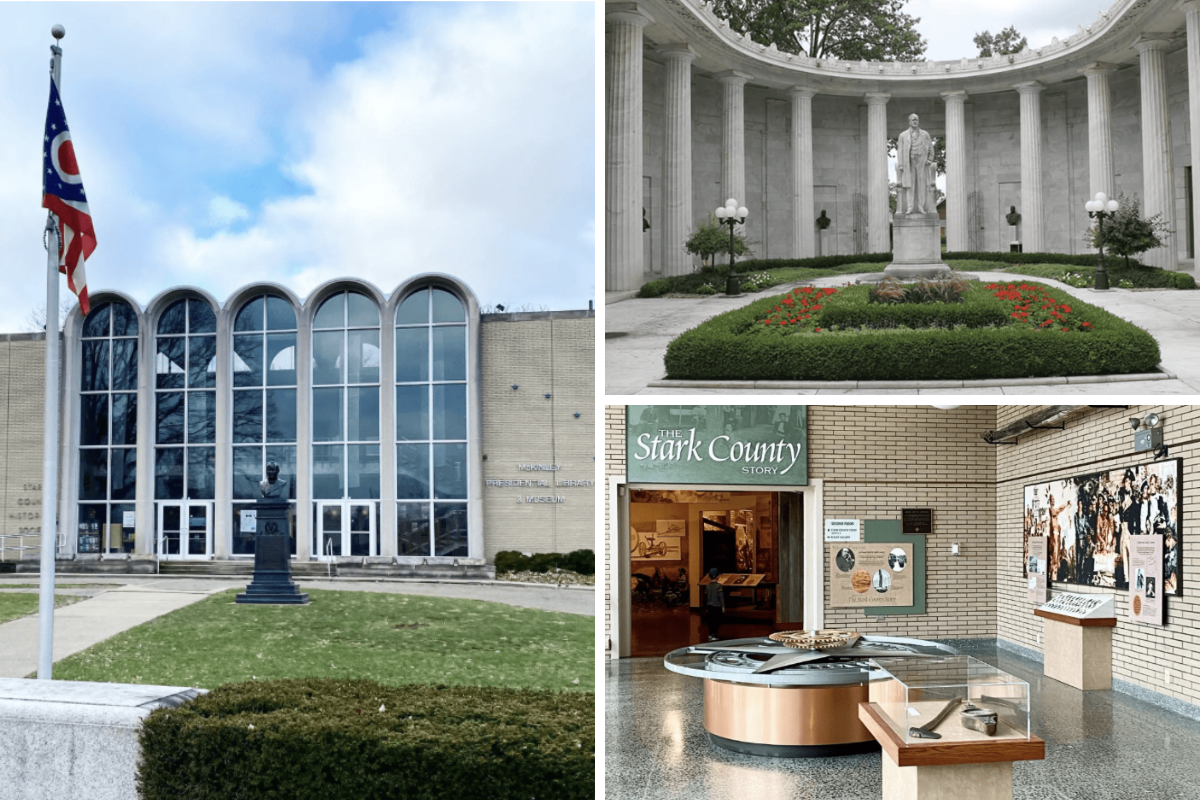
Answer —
(760, 445)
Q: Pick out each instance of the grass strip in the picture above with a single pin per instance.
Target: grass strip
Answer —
(394, 639)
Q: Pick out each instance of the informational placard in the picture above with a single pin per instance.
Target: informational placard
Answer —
(843, 530)
(1146, 585)
(916, 520)
(1036, 566)
(249, 520)
(127, 519)
(866, 574)
(1081, 606)
(744, 445)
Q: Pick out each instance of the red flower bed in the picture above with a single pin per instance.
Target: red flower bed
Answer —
(1033, 304)
(798, 306)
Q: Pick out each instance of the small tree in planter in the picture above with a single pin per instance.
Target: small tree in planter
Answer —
(712, 238)
(1127, 233)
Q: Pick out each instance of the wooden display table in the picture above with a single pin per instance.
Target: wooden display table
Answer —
(947, 769)
(1078, 652)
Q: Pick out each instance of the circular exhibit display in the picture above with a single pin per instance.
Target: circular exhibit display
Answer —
(766, 697)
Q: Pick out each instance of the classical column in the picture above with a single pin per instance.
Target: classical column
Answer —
(1031, 166)
(623, 147)
(956, 171)
(803, 218)
(1157, 165)
(733, 137)
(1100, 153)
(677, 158)
(1192, 10)
(877, 174)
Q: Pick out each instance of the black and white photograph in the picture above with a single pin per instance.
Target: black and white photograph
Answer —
(1088, 519)
(882, 581)
(1140, 583)
(1150, 588)
(845, 559)
(897, 560)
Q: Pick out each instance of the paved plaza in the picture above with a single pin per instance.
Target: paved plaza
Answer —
(637, 332)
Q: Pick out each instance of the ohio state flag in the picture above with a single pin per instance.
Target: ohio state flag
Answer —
(62, 193)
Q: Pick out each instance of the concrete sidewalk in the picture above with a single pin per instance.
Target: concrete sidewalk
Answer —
(83, 624)
(642, 329)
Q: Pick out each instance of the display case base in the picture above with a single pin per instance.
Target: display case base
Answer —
(1078, 655)
(947, 782)
(794, 750)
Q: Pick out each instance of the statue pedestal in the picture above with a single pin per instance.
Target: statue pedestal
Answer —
(916, 247)
(272, 582)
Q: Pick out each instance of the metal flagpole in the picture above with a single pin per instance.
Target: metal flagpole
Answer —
(50, 427)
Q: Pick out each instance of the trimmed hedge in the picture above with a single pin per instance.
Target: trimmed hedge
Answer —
(849, 309)
(817, 262)
(581, 561)
(359, 740)
(737, 346)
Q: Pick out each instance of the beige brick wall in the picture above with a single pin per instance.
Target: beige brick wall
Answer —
(1097, 440)
(875, 460)
(22, 372)
(546, 352)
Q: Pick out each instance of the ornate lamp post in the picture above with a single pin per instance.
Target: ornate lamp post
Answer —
(731, 214)
(1099, 208)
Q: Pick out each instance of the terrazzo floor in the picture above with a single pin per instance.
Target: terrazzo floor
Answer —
(1100, 745)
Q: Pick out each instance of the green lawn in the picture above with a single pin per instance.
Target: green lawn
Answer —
(15, 605)
(390, 638)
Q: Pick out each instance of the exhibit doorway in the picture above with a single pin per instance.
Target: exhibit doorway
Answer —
(345, 528)
(184, 530)
(677, 535)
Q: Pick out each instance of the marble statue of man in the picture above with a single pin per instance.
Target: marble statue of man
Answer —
(914, 162)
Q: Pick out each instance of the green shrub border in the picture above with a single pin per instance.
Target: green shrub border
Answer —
(737, 346)
(360, 740)
(581, 561)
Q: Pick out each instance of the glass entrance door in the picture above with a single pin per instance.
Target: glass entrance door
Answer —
(184, 530)
(345, 528)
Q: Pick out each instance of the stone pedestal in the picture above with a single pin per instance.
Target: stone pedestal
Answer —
(916, 247)
(1078, 651)
(272, 582)
(947, 782)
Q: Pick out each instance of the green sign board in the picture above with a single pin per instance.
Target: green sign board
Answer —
(753, 445)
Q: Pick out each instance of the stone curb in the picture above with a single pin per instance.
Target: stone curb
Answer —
(1163, 375)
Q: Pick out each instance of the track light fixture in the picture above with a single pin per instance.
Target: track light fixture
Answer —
(1162, 452)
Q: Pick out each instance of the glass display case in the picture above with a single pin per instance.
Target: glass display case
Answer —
(952, 699)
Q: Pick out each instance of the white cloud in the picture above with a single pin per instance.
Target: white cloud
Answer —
(949, 26)
(466, 151)
(462, 141)
(224, 211)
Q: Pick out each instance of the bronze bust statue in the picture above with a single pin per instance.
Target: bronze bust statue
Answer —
(823, 221)
(273, 486)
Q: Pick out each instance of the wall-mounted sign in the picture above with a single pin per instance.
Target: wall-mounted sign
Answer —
(916, 520)
(249, 520)
(869, 574)
(1089, 519)
(753, 445)
(842, 530)
(1036, 565)
(127, 519)
(1145, 579)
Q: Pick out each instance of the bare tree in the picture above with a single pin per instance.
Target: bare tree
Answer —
(35, 322)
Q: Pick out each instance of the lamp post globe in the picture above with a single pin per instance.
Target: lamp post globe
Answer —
(1098, 208)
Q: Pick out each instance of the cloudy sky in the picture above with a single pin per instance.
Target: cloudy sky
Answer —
(949, 26)
(223, 143)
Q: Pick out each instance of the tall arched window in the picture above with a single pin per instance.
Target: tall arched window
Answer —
(431, 425)
(185, 426)
(108, 430)
(345, 425)
(264, 404)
